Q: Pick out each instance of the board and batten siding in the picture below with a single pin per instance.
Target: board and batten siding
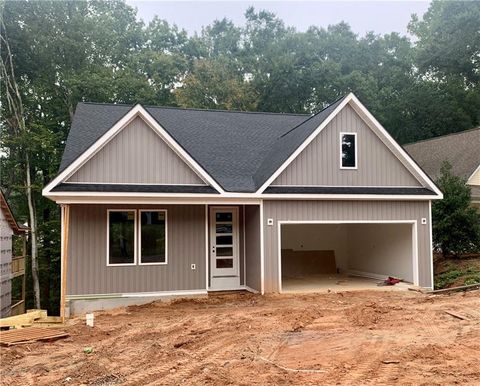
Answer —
(253, 263)
(319, 163)
(312, 210)
(88, 273)
(136, 155)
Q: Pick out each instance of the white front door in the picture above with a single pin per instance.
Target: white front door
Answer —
(224, 248)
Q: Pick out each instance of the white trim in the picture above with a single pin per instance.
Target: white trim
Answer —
(140, 235)
(250, 289)
(357, 105)
(253, 198)
(344, 186)
(430, 225)
(136, 294)
(244, 248)
(135, 241)
(128, 183)
(226, 275)
(207, 249)
(136, 111)
(262, 251)
(477, 170)
(342, 133)
(411, 222)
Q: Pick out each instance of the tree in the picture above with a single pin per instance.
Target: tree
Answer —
(456, 225)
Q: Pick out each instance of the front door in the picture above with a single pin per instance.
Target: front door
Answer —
(224, 248)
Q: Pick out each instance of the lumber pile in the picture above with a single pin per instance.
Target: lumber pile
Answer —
(30, 335)
(31, 317)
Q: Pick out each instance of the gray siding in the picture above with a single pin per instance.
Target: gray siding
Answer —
(252, 247)
(319, 163)
(89, 274)
(5, 266)
(345, 211)
(136, 155)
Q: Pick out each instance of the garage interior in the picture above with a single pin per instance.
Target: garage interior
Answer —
(347, 256)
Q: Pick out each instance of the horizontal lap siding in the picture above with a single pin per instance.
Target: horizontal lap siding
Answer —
(344, 211)
(89, 274)
(319, 163)
(137, 155)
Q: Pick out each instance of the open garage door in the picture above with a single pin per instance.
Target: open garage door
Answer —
(319, 256)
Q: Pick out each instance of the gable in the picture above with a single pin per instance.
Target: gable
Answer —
(136, 155)
(319, 163)
(475, 177)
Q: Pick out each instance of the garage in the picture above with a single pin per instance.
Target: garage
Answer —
(318, 256)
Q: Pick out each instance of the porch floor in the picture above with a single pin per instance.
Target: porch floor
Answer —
(335, 283)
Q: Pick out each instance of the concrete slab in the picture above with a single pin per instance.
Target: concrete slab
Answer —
(336, 283)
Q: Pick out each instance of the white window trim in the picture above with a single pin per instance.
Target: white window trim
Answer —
(140, 236)
(135, 241)
(342, 133)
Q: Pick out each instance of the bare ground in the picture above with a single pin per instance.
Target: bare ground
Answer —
(369, 337)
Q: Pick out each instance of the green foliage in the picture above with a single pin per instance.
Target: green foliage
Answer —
(456, 225)
(447, 278)
(469, 276)
(87, 50)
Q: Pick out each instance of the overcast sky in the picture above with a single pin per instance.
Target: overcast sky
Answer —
(363, 16)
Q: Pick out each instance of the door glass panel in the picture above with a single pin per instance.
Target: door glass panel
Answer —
(224, 263)
(224, 228)
(225, 251)
(224, 216)
(224, 240)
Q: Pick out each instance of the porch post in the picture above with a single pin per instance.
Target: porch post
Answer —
(65, 222)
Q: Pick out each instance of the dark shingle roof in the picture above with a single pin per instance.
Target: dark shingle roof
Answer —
(347, 190)
(131, 188)
(461, 150)
(237, 149)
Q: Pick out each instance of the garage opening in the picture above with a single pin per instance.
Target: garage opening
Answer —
(316, 257)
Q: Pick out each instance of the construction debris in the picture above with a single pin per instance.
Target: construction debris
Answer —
(470, 287)
(455, 315)
(28, 319)
(30, 335)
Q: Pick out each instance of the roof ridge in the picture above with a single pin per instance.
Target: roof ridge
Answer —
(196, 109)
(312, 116)
(442, 136)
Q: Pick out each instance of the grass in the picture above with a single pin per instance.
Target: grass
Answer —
(459, 276)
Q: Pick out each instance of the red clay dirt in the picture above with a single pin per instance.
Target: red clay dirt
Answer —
(367, 337)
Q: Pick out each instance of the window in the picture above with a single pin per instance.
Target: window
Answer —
(121, 238)
(153, 237)
(348, 150)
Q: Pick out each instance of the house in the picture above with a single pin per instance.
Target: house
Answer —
(461, 150)
(163, 201)
(12, 265)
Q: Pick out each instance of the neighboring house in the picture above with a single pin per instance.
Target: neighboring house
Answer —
(461, 150)
(12, 267)
(163, 201)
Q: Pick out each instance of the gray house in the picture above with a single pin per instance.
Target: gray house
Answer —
(461, 150)
(163, 201)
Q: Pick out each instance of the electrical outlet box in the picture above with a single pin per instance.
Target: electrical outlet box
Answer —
(270, 221)
(424, 220)
(193, 266)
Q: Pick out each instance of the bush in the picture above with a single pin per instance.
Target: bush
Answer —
(456, 225)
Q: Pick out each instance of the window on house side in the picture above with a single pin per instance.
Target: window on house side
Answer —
(121, 237)
(348, 145)
(153, 237)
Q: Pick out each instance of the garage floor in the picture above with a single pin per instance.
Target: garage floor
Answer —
(324, 283)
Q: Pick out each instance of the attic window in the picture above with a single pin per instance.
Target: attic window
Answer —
(348, 150)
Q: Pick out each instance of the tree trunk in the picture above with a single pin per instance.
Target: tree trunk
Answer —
(33, 234)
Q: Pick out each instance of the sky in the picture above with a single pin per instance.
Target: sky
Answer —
(363, 16)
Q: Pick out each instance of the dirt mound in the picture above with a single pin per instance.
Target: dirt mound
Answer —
(368, 337)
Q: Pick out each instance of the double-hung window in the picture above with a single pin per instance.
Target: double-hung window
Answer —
(348, 150)
(136, 236)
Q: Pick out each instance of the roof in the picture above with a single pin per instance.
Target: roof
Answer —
(347, 190)
(240, 150)
(17, 229)
(461, 150)
(72, 187)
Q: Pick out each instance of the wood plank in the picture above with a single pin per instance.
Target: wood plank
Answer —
(23, 319)
(32, 334)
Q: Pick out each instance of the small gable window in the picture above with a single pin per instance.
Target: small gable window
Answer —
(348, 150)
